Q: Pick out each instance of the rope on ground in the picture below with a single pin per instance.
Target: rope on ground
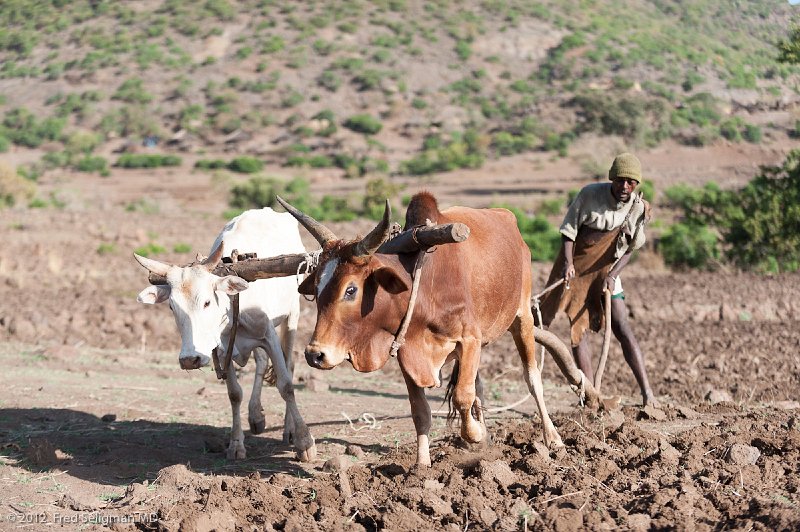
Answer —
(511, 406)
(368, 419)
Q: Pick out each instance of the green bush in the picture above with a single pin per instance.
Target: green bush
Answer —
(463, 50)
(368, 79)
(461, 151)
(329, 80)
(21, 127)
(359, 166)
(759, 224)
(648, 190)
(363, 123)
(13, 186)
(150, 249)
(542, 238)
(312, 161)
(260, 192)
(132, 91)
(210, 164)
(508, 143)
(147, 160)
(689, 245)
(93, 164)
(752, 133)
(641, 119)
(246, 165)
(377, 191)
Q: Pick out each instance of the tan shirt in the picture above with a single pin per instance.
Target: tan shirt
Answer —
(596, 208)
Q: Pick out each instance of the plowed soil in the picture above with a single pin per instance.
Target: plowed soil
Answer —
(100, 428)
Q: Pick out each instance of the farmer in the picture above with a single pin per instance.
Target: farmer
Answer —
(602, 227)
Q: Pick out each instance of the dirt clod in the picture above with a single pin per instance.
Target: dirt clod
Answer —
(741, 455)
(356, 451)
(651, 412)
(497, 470)
(718, 396)
(337, 463)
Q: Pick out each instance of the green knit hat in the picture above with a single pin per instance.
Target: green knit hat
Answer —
(627, 166)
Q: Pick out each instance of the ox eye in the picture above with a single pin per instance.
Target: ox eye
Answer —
(350, 293)
(207, 304)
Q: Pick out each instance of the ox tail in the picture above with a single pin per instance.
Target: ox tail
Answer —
(270, 378)
(451, 386)
(448, 394)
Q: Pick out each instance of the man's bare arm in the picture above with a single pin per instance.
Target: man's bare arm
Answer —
(569, 250)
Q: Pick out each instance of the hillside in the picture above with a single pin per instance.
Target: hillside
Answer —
(384, 87)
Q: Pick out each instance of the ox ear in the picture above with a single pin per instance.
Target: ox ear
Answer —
(231, 285)
(153, 294)
(390, 280)
(306, 288)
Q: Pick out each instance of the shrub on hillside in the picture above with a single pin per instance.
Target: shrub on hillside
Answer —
(22, 127)
(465, 150)
(132, 91)
(13, 187)
(363, 123)
(640, 119)
(752, 133)
(260, 192)
(246, 165)
(210, 164)
(147, 160)
(93, 164)
(376, 193)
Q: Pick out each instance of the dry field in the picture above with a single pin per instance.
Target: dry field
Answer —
(100, 428)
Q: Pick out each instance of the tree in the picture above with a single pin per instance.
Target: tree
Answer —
(789, 49)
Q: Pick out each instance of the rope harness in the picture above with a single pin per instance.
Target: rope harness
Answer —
(400, 337)
(222, 370)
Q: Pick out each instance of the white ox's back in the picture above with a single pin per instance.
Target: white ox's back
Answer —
(267, 233)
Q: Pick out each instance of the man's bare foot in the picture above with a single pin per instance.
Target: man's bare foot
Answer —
(648, 399)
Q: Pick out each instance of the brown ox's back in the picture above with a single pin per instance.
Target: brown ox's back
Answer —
(489, 274)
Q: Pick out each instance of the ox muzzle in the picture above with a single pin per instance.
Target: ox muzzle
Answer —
(323, 357)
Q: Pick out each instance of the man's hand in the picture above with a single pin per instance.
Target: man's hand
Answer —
(609, 284)
(569, 272)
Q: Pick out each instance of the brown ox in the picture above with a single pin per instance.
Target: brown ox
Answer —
(469, 294)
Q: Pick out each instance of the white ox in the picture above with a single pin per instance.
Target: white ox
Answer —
(202, 309)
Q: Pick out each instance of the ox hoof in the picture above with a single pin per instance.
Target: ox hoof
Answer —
(236, 453)
(473, 433)
(553, 441)
(257, 427)
(307, 455)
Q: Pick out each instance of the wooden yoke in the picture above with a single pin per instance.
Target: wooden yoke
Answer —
(422, 237)
(251, 269)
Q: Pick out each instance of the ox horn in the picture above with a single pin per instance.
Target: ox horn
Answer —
(317, 230)
(212, 260)
(153, 266)
(370, 243)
